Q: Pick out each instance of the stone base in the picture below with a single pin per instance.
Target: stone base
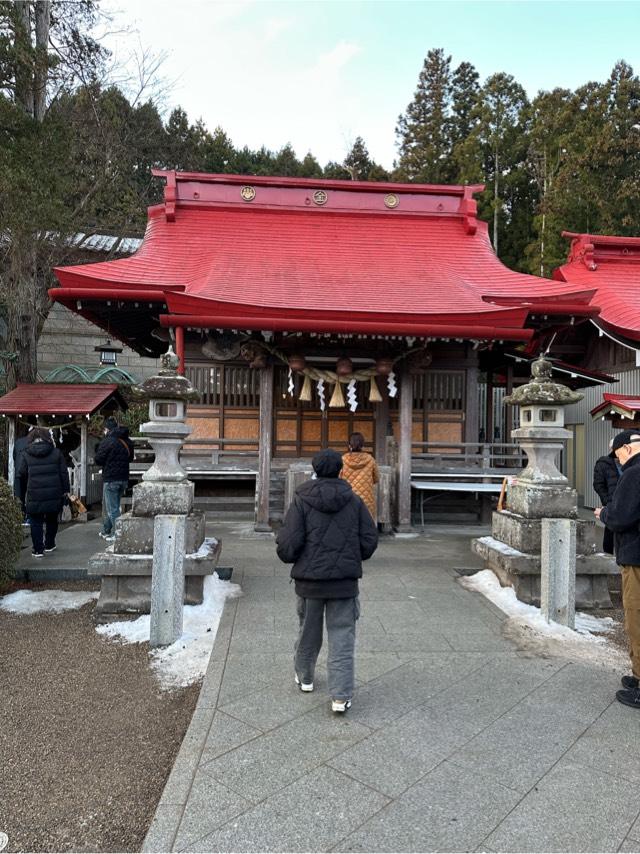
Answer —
(538, 501)
(134, 534)
(522, 572)
(126, 579)
(525, 535)
(162, 499)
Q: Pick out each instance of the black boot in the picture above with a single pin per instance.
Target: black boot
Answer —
(630, 682)
(629, 698)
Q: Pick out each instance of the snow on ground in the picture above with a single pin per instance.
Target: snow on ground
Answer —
(186, 660)
(52, 601)
(486, 582)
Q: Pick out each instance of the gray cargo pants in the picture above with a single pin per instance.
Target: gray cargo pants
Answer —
(341, 616)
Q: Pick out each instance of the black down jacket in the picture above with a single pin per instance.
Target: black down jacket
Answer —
(326, 535)
(114, 454)
(605, 478)
(622, 514)
(43, 477)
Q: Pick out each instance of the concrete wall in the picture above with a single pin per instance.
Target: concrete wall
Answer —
(68, 339)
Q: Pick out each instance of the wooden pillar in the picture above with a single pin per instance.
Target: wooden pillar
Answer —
(509, 413)
(84, 427)
(263, 481)
(381, 424)
(179, 331)
(11, 468)
(404, 453)
(489, 433)
(472, 416)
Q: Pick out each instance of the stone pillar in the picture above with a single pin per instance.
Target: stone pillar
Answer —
(404, 453)
(558, 571)
(11, 466)
(167, 580)
(263, 481)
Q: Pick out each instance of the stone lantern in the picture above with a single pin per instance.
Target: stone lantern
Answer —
(516, 549)
(162, 534)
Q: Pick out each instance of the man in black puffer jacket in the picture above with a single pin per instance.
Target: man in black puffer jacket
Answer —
(326, 535)
(622, 515)
(114, 454)
(44, 481)
(606, 474)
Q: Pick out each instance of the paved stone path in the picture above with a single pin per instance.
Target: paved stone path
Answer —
(457, 740)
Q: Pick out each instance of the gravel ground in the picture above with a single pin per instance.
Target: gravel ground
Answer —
(87, 740)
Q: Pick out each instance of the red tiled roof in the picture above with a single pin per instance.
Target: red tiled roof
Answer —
(56, 398)
(207, 252)
(612, 266)
(622, 404)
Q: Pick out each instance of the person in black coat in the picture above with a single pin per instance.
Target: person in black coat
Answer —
(326, 534)
(606, 474)
(44, 482)
(622, 515)
(114, 454)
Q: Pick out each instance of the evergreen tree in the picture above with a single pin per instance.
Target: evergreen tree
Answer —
(423, 130)
(286, 163)
(498, 115)
(219, 152)
(336, 171)
(310, 168)
(357, 162)
(464, 98)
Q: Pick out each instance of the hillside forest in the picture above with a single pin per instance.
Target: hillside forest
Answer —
(77, 145)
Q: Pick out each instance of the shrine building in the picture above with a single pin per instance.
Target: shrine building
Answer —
(303, 310)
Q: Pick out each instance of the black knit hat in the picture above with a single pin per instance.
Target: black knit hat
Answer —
(110, 423)
(627, 437)
(327, 463)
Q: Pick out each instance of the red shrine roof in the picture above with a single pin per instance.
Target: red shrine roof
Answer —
(617, 404)
(612, 265)
(249, 252)
(58, 398)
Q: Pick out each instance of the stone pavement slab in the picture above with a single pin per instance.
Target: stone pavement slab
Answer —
(458, 740)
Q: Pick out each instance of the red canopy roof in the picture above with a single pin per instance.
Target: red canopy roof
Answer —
(620, 404)
(58, 398)
(295, 254)
(612, 266)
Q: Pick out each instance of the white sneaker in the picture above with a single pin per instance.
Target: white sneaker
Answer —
(340, 706)
(304, 686)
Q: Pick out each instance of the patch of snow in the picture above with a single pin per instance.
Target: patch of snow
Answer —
(185, 661)
(499, 546)
(208, 544)
(49, 601)
(487, 583)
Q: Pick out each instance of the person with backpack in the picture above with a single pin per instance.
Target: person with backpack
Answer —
(44, 482)
(327, 533)
(114, 454)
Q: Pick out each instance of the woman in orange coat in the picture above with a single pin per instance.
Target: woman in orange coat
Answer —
(359, 469)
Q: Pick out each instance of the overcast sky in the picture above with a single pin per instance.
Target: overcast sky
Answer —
(317, 73)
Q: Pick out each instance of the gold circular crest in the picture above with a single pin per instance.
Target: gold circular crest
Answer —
(391, 200)
(320, 197)
(248, 193)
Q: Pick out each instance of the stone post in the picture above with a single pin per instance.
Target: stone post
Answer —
(558, 571)
(167, 580)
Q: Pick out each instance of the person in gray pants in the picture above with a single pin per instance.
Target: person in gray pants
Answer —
(326, 534)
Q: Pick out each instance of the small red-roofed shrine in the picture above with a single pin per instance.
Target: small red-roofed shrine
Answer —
(57, 404)
(303, 310)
